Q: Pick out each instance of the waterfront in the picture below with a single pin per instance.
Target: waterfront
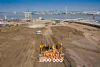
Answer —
(50, 16)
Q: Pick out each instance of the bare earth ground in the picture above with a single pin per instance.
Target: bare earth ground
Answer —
(81, 42)
(16, 47)
(19, 47)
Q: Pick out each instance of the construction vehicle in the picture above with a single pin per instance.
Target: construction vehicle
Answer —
(51, 53)
(38, 32)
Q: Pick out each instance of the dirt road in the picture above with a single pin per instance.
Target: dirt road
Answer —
(48, 41)
(50, 65)
(68, 62)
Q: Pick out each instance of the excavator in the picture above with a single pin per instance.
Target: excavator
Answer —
(50, 53)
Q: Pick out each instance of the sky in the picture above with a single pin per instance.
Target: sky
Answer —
(31, 5)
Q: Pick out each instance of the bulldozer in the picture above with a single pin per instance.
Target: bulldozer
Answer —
(50, 53)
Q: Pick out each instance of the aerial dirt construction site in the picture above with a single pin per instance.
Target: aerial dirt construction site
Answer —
(46, 43)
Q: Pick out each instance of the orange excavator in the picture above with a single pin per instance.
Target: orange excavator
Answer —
(52, 53)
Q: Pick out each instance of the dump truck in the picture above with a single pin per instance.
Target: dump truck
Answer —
(50, 53)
